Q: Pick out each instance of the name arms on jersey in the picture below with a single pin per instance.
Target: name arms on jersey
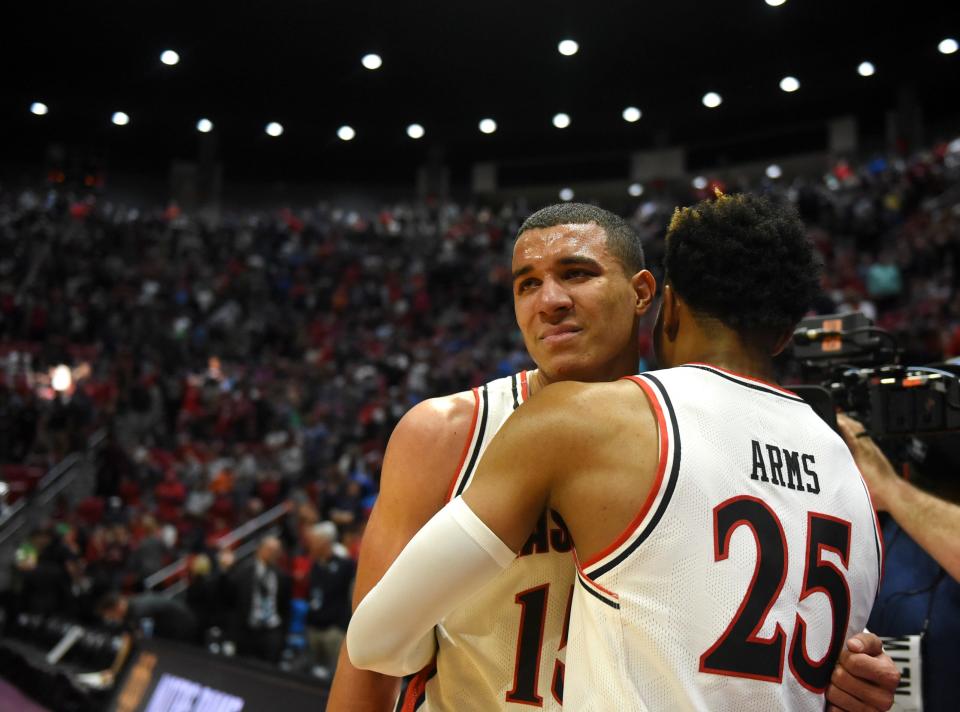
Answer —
(770, 462)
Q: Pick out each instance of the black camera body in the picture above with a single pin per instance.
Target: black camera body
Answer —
(859, 374)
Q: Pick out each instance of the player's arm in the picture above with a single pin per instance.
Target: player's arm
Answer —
(420, 459)
(469, 541)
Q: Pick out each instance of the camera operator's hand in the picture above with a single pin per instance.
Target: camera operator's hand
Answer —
(933, 523)
(876, 468)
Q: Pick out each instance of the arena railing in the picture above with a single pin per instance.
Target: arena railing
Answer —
(72, 478)
(172, 580)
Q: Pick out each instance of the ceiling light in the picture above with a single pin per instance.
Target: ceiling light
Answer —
(775, 3)
(169, 57)
(635, 189)
(699, 182)
(712, 100)
(38, 108)
(774, 171)
(274, 129)
(789, 84)
(120, 118)
(415, 131)
(561, 120)
(488, 126)
(866, 69)
(568, 48)
(947, 46)
(371, 61)
(566, 194)
(204, 126)
(346, 133)
(632, 114)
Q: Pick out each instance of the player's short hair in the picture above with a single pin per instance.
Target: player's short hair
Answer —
(745, 261)
(622, 240)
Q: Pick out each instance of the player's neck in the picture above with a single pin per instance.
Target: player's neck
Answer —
(733, 357)
(537, 379)
(709, 341)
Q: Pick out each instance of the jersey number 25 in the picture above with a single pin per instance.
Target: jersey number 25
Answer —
(740, 651)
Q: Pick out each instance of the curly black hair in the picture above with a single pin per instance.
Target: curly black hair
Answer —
(745, 261)
(622, 240)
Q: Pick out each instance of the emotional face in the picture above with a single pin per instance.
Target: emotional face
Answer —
(575, 304)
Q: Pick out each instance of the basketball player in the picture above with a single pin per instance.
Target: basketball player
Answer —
(490, 654)
(661, 479)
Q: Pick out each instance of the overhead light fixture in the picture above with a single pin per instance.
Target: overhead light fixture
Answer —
(866, 69)
(712, 100)
(775, 3)
(39, 108)
(415, 131)
(169, 57)
(346, 133)
(274, 129)
(204, 126)
(371, 61)
(947, 46)
(568, 47)
(789, 84)
(635, 190)
(566, 194)
(699, 182)
(561, 120)
(774, 171)
(120, 118)
(488, 126)
(632, 114)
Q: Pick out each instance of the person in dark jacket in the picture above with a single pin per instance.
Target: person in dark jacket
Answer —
(331, 579)
(259, 592)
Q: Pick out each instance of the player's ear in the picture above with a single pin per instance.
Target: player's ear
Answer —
(670, 312)
(645, 288)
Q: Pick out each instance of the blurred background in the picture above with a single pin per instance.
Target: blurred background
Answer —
(238, 241)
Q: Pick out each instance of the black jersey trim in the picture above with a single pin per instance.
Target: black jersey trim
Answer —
(515, 390)
(599, 596)
(474, 456)
(754, 386)
(668, 490)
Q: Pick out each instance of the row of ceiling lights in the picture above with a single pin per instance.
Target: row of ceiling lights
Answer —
(566, 47)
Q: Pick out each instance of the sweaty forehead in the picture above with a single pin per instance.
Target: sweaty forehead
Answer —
(550, 243)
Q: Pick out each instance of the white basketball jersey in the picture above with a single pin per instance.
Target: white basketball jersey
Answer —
(504, 649)
(755, 556)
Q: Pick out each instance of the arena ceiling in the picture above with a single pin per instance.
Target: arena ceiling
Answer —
(447, 65)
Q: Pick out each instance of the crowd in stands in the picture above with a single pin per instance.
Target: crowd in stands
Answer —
(262, 360)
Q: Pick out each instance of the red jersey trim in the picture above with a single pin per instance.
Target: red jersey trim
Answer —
(657, 484)
(589, 581)
(417, 687)
(746, 378)
(524, 388)
(466, 445)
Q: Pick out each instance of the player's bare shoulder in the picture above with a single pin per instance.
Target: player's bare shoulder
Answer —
(426, 445)
(585, 408)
